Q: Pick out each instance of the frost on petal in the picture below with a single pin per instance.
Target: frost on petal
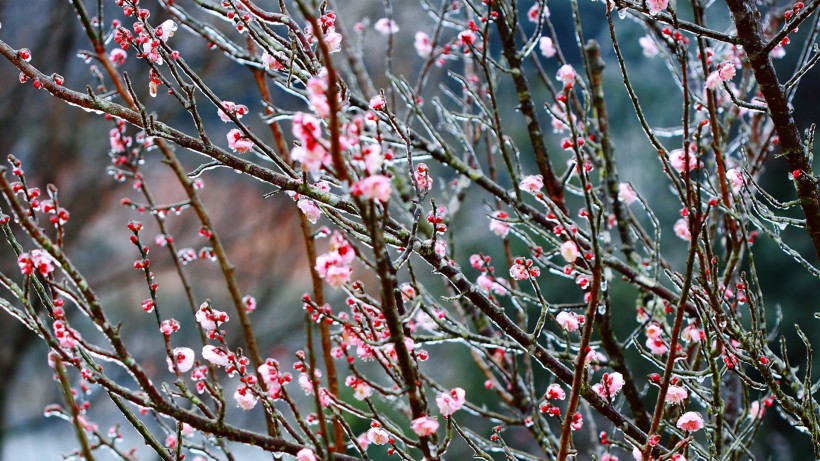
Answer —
(690, 421)
(184, 358)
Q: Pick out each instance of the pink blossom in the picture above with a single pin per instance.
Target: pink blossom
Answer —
(656, 346)
(487, 284)
(466, 37)
(375, 187)
(424, 426)
(713, 81)
(610, 385)
(648, 45)
(169, 326)
(678, 159)
(547, 47)
(569, 321)
(377, 102)
(566, 74)
(681, 229)
(532, 184)
(37, 260)
(555, 392)
(608, 457)
(386, 26)
(577, 422)
(653, 331)
(422, 177)
(499, 228)
(238, 142)
(184, 358)
(362, 390)
(656, 6)
(210, 318)
(690, 421)
(215, 355)
(691, 333)
(408, 292)
(309, 209)
(569, 251)
(450, 402)
(305, 454)
(333, 40)
(273, 62)
(735, 179)
(238, 110)
(378, 436)
(626, 193)
(519, 272)
(245, 398)
(676, 394)
(726, 71)
(249, 302)
(423, 45)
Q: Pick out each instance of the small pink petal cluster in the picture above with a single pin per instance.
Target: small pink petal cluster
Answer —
(386, 26)
(691, 333)
(569, 321)
(678, 159)
(656, 6)
(334, 266)
(690, 421)
(569, 251)
(681, 229)
(169, 326)
(317, 94)
(555, 392)
(36, 260)
(547, 47)
(522, 269)
(532, 184)
(245, 398)
(450, 402)
(374, 187)
(424, 426)
(216, 356)
(238, 142)
(309, 209)
(183, 358)
(566, 74)
(497, 225)
(610, 385)
(735, 179)
(305, 454)
(676, 394)
(423, 45)
(487, 281)
(332, 39)
(422, 177)
(310, 151)
(209, 318)
(648, 45)
(377, 435)
(626, 193)
(535, 13)
(237, 110)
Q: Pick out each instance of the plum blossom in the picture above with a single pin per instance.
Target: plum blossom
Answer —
(378, 436)
(676, 394)
(38, 260)
(375, 187)
(305, 454)
(653, 331)
(450, 402)
(555, 392)
(726, 71)
(309, 209)
(735, 179)
(210, 318)
(184, 358)
(610, 385)
(333, 40)
(377, 102)
(547, 47)
(656, 346)
(678, 159)
(423, 45)
(690, 421)
(535, 13)
(424, 426)
(216, 356)
(273, 62)
(362, 390)
(498, 227)
(626, 193)
(681, 229)
(569, 321)
(532, 184)
(422, 177)
(648, 45)
(238, 142)
(488, 284)
(334, 266)
(311, 151)
(569, 251)
(566, 74)
(656, 6)
(238, 110)
(386, 26)
(577, 422)
(245, 398)
(691, 333)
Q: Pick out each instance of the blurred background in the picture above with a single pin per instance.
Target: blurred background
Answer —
(69, 147)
